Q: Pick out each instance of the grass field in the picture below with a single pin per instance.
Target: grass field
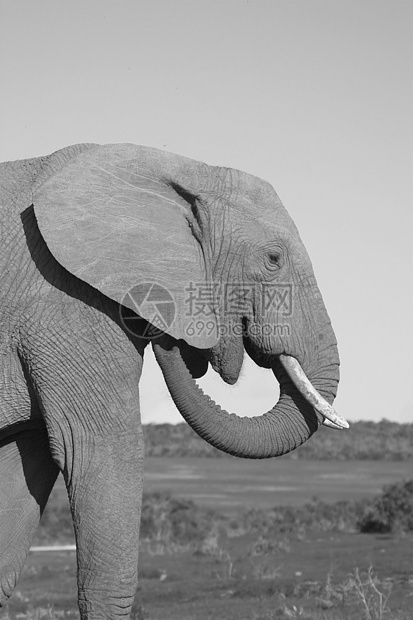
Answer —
(249, 575)
(231, 484)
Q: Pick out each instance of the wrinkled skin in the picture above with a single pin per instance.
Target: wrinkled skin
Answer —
(81, 228)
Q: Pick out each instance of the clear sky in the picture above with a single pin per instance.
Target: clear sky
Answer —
(315, 96)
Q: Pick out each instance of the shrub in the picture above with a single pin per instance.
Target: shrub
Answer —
(175, 520)
(392, 511)
(316, 515)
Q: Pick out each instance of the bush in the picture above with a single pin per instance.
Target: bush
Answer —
(175, 520)
(392, 511)
(341, 516)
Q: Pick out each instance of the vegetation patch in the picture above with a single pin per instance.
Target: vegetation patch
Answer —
(170, 524)
(312, 561)
(391, 511)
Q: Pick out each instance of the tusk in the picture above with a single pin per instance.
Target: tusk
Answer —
(300, 380)
(330, 424)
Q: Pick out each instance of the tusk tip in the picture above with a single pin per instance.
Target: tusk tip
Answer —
(337, 422)
(339, 427)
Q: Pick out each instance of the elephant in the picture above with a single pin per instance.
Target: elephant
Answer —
(106, 249)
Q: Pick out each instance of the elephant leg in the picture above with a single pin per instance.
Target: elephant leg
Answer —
(28, 474)
(104, 484)
(98, 444)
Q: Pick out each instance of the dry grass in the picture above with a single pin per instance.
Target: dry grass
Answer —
(361, 596)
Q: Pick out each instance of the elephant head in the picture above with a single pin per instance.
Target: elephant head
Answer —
(210, 257)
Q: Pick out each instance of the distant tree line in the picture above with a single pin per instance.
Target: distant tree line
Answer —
(364, 440)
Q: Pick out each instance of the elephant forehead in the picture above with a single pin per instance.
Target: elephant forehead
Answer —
(251, 197)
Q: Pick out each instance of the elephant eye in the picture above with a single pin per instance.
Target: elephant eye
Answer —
(274, 259)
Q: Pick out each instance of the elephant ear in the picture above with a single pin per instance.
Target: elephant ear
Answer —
(119, 218)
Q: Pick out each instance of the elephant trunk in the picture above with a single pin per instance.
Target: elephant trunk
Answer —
(294, 418)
